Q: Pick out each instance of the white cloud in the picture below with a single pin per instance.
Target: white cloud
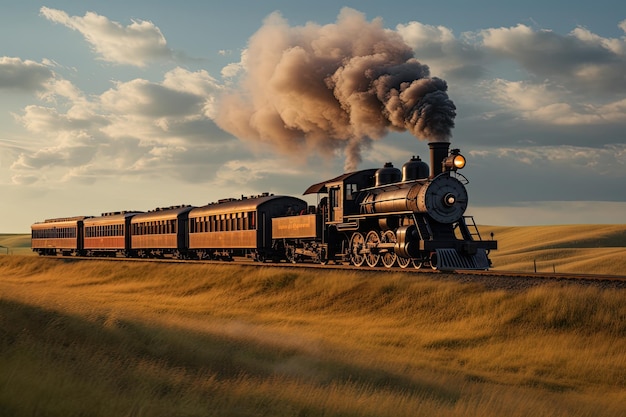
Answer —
(581, 61)
(547, 103)
(541, 76)
(135, 44)
(608, 160)
(234, 69)
(137, 127)
(153, 100)
(239, 171)
(22, 179)
(49, 122)
(617, 46)
(149, 111)
(24, 75)
(445, 54)
(68, 151)
(199, 83)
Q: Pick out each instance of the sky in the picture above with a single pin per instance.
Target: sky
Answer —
(136, 104)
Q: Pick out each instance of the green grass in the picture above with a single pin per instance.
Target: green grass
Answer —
(136, 339)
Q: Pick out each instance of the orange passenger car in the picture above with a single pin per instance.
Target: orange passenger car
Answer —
(243, 227)
(161, 232)
(62, 236)
(109, 234)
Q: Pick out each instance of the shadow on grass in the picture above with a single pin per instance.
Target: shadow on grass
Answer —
(57, 364)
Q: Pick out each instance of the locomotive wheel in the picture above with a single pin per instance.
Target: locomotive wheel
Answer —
(357, 241)
(389, 257)
(372, 257)
(433, 261)
(417, 264)
(403, 262)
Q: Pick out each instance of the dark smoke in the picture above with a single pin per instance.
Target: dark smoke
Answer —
(337, 86)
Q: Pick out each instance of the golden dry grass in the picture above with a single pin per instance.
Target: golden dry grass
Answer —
(591, 249)
(143, 339)
(15, 244)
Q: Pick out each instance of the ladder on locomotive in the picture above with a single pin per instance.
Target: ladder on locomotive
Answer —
(472, 228)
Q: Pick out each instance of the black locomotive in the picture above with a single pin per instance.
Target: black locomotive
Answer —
(414, 216)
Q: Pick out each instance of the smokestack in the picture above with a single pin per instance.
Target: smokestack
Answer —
(438, 152)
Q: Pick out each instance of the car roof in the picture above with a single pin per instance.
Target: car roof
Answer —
(243, 205)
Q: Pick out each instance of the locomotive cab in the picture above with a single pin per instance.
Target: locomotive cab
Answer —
(342, 194)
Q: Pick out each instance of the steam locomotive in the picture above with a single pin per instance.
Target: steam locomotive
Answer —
(414, 216)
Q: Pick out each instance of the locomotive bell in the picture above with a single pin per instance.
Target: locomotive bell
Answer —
(414, 169)
(387, 175)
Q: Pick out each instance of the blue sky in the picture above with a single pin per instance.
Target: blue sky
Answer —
(111, 105)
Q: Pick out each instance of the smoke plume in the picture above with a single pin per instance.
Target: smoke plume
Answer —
(337, 86)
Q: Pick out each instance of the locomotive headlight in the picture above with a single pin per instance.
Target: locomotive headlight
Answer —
(459, 161)
(454, 161)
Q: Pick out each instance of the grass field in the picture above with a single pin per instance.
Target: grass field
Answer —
(15, 244)
(597, 249)
(94, 338)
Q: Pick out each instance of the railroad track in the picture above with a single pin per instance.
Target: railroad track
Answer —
(492, 278)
